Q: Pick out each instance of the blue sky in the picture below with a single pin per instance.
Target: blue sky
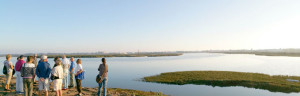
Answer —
(147, 25)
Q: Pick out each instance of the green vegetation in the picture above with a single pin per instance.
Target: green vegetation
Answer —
(129, 92)
(227, 79)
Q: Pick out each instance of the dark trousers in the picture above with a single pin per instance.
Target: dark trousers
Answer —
(78, 82)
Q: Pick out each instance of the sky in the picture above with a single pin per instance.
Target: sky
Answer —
(32, 26)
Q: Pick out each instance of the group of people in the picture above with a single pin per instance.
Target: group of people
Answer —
(27, 72)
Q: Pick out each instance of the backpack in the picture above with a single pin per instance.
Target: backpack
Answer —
(4, 70)
(99, 78)
(22, 70)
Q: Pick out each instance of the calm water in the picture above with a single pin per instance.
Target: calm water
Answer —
(126, 72)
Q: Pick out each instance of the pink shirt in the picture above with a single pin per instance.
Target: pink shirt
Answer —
(19, 65)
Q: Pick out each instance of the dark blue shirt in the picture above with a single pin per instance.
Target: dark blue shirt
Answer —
(43, 70)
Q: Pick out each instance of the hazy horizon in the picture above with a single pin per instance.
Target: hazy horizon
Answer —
(147, 25)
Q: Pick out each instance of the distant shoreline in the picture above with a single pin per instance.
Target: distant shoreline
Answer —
(288, 54)
(118, 55)
(114, 55)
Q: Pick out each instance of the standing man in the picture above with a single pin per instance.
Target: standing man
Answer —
(19, 82)
(43, 71)
(35, 64)
(66, 66)
(72, 73)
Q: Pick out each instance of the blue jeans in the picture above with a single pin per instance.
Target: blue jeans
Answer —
(102, 84)
(65, 80)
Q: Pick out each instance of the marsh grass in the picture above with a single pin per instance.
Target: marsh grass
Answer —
(136, 92)
(227, 79)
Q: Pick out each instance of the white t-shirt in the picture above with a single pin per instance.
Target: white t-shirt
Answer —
(66, 63)
(8, 64)
(78, 68)
(58, 71)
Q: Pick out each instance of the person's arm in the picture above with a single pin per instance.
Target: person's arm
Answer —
(72, 70)
(22, 70)
(106, 67)
(69, 65)
(72, 66)
(16, 66)
(78, 72)
(35, 62)
(99, 67)
(37, 71)
(11, 65)
(48, 72)
(33, 71)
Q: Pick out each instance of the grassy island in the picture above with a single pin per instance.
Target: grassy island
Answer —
(227, 79)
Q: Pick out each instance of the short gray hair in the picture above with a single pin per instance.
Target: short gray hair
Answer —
(44, 57)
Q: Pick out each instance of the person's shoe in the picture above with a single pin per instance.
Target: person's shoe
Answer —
(7, 90)
(65, 89)
(18, 92)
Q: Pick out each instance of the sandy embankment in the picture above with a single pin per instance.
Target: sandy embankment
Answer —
(72, 92)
